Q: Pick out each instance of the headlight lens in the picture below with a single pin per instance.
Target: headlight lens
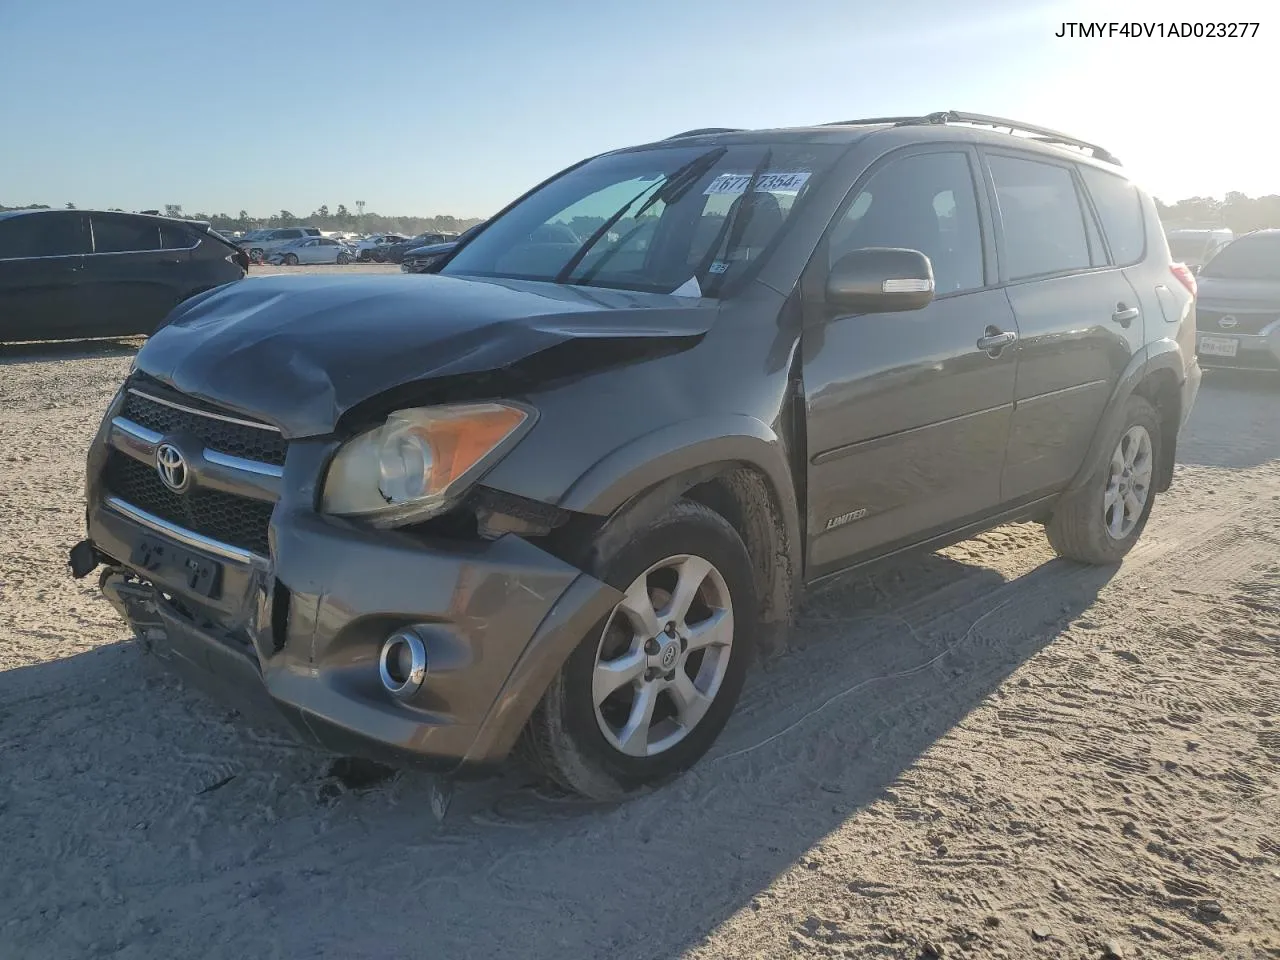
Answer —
(413, 465)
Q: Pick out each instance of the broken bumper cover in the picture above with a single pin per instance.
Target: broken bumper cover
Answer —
(304, 629)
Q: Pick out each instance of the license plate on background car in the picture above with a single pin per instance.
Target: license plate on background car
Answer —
(172, 563)
(1219, 346)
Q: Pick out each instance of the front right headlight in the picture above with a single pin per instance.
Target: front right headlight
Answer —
(419, 461)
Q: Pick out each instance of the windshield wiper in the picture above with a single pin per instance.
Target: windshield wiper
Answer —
(671, 185)
(680, 181)
(731, 231)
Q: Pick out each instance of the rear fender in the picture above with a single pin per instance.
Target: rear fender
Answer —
(1160, 355)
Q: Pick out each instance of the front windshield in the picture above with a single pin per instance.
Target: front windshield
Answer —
(1249, 258)
(664, 219)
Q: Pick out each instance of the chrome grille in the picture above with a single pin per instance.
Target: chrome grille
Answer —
(153, 406)
(239, 521)
(1248, 324)
(238, 514)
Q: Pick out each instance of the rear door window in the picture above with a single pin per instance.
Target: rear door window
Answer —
(1119, 207)
(114, 233)
(1043, 220)
(55, 234)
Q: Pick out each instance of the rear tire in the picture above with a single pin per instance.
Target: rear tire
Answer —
(1101, 522)
(612, 721)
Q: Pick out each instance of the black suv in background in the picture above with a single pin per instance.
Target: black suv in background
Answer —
(560, 491)
(83, 273)
(431, 256)
(1239, 307)
(394, 252)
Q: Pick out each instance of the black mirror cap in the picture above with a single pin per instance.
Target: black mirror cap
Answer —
(881, 280)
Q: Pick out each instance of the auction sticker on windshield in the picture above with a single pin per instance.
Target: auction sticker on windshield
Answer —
(780, 182)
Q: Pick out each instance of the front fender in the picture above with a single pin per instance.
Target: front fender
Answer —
(678, 449)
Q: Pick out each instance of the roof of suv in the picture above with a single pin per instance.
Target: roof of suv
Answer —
(979, 127)
(9, 214)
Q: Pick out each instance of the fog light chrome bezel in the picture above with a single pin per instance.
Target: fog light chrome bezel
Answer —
(417, 674)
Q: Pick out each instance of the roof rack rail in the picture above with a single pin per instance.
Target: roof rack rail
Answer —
(1042, 134)
(703, 131)
(871, 121)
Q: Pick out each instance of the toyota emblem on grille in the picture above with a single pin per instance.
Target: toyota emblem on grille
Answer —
(1228, 322)
(172, 467)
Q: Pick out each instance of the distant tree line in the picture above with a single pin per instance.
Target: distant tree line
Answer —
(340, 219)
(1237, 211)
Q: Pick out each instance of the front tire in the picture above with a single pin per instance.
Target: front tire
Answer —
(648, 690)
(290, 260)
(343, 259)
(1102, 521)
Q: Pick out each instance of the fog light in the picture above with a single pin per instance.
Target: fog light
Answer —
(402, 665)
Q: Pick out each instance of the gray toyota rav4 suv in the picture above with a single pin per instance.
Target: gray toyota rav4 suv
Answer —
(558, 493)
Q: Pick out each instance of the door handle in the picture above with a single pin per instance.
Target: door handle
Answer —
(1125, 315)
(996, 340)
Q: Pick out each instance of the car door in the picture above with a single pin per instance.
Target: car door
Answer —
(131, 282)
(907, 413)
(1078, 317)
(327, 250)
(41, 260)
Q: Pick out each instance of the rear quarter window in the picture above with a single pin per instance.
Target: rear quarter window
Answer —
(174, 237)
(1119, 206)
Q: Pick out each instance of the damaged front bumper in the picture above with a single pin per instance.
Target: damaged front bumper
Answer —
(302, 629)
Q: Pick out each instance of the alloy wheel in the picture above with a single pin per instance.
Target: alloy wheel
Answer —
(1128, 483)
(663, 656)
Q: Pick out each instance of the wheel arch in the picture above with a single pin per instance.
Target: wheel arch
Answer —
(1155, 373)
(735, 465)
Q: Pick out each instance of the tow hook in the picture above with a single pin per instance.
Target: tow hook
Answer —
(83, 560)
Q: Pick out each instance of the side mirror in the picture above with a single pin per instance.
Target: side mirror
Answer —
(1195, 269)
(881, 280)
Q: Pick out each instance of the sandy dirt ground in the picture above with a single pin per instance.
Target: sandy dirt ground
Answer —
(985, 753)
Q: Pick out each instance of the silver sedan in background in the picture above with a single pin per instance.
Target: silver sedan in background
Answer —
(312, 250)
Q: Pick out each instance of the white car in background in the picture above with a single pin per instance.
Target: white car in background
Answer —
(261, 244)
(312, 250)
(367, 249)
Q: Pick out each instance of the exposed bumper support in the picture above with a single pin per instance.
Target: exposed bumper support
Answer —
(302, 631)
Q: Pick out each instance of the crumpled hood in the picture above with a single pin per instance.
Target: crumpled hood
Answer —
(300, 351)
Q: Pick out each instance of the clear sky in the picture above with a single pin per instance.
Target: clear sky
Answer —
(439, 107)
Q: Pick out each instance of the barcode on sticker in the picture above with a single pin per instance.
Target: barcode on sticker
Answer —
(734, 183)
